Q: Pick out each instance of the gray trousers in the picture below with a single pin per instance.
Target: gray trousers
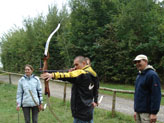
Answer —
(26, 111)
(142, 118)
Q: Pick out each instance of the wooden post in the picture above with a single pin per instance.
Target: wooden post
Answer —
(64, 97)
(113, 103)
(10, 78)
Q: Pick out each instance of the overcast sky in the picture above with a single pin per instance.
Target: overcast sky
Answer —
(13, 12)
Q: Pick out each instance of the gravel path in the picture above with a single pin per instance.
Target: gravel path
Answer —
(122, 105)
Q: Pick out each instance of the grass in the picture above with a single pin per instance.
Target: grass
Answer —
(123, 87)
(118, 86)
(8, 113)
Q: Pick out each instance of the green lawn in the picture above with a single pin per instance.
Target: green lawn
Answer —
(122, 87)
(8, 113)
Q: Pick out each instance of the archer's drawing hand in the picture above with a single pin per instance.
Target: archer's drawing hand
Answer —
(71, 69)
(46, 76)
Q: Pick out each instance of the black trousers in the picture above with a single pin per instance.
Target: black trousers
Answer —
(27, 110)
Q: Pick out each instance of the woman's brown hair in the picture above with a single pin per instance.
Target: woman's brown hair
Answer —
(30, 66)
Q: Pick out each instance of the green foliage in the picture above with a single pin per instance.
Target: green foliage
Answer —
(134, 30)
(88, 27)
(110, 32)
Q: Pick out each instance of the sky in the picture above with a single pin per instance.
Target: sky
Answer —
(13, 12)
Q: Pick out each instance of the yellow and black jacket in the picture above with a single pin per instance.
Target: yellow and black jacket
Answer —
(84, 91)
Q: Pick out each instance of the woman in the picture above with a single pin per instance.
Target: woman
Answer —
(29, 95)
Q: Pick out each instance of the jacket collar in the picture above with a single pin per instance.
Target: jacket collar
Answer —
(147, 68)
(29, 77)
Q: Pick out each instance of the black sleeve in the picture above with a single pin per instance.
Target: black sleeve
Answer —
(96, 89)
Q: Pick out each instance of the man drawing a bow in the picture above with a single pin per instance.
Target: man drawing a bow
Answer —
(85, 87)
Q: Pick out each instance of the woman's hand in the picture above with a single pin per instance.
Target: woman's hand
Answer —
(17, 108)
(40, 107)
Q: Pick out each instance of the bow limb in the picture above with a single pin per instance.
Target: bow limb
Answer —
(34, 100)
(49, 39)
(45, 67)
(46, 57)
(52, 112)
(47, 90)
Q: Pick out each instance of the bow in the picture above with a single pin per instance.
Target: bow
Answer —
(45, 68)
(34, 100)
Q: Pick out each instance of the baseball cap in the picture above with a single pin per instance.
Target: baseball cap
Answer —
(141, 57)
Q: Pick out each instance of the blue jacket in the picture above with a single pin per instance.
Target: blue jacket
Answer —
(147, 95)
(25, 84)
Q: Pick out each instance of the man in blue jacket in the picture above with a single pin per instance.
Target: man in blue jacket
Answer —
(147, 95)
